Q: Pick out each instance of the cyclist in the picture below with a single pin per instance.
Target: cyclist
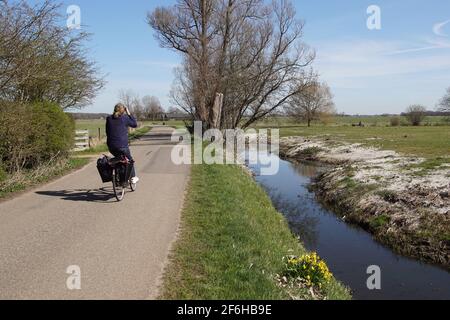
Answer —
(117, 134)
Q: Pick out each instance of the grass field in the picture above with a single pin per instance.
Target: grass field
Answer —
(432, 140)
(428, 142)
(232, 242)
(367, 121)
(93, 126)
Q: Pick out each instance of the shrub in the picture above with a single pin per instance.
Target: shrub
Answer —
(395, 121)
(3, 174)
(56, 135)
(31, 134)
(416, 114)
(309, 268)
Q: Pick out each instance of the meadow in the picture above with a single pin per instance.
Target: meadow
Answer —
(431, 140)
(93, 126)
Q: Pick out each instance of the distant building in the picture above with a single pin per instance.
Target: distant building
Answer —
(177, 115)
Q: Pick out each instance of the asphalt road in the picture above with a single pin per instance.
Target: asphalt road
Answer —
(120, 249)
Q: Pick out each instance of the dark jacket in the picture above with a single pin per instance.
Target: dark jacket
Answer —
(117, 131)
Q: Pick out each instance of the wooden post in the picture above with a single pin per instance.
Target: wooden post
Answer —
(99, 134)
(217, 110)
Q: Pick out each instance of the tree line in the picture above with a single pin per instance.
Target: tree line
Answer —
(147, 108)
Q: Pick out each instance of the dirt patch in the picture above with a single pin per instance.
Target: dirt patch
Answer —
(401, 200)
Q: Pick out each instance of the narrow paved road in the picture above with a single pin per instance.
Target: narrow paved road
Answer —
(120, 248)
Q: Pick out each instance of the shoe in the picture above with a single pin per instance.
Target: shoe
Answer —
(134, 180)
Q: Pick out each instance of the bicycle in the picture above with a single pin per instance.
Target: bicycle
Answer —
(121, 176)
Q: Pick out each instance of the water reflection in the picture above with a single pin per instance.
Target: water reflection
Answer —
(300, 221)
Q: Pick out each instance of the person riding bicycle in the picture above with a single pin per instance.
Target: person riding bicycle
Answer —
(117, 134)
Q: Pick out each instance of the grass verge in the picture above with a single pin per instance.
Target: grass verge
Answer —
(23, 181)
(232, 243)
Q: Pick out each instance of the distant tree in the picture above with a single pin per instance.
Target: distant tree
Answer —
(127, 97)
(416, 114)
(152, 107)
(444, 104)
(314, 102)
(395, 121)
(133, 102)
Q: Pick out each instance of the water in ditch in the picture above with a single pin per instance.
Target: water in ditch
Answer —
(348, 250)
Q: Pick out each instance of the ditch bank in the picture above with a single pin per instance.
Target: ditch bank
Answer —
(404, 202)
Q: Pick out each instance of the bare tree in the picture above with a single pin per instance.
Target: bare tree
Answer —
(133, 102)
(248, 50)
(42, 60)
(127, 97)
(152, 107)
(416, 114)
(311, 103)
(444, 104)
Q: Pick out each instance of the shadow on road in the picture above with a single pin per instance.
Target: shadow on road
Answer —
(100, 196)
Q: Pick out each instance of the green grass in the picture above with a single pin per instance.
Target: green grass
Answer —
(30, 180)
(232, 242)
(92, 126)
(103, 148)
(367, 121)
(172, 123)
(139, 133)
(432, 164)
(428, 142)
(379, 222)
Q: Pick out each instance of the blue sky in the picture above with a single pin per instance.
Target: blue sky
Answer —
(370, 72)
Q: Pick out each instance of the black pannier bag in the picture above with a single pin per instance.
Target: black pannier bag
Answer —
(104, 169)
(125, 172)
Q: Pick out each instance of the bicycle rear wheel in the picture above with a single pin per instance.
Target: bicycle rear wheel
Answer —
(119, 190)
(133, 186)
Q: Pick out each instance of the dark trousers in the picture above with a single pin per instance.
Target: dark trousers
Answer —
(119, 152)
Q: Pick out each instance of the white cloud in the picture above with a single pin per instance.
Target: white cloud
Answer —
(437, 28)
(431, 44)
(352, 61)
(367, 78)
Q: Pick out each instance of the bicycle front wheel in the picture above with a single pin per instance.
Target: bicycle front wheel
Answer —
(119, 190)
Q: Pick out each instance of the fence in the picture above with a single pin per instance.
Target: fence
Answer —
(82, 141)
